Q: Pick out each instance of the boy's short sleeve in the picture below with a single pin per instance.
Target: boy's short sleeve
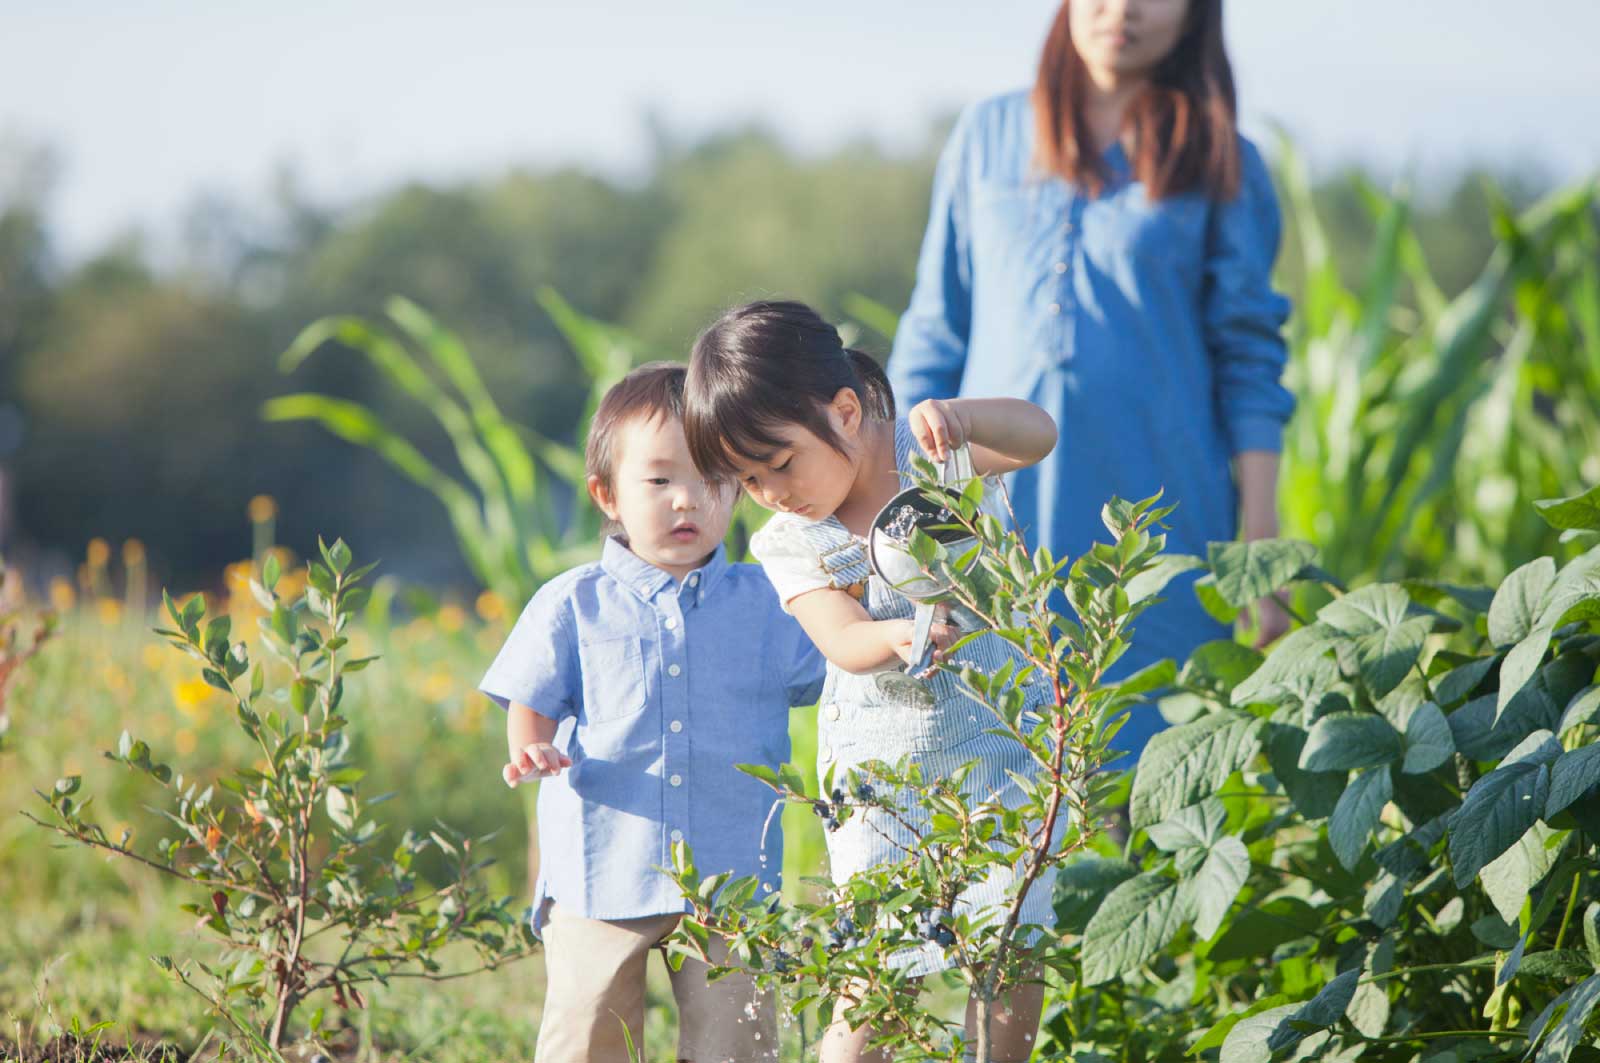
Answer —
(792, 567)
(537, 666)
(798, 660)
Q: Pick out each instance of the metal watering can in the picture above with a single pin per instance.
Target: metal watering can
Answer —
(889, 554)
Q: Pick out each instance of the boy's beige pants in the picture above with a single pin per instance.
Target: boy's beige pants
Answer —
(596, 971)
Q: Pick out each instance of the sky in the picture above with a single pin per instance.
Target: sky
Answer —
(149, 105)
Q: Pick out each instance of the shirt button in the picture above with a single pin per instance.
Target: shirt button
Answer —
(676, 725)
(1054, 308)
(1061, 267)
(694, 579)
(674, 670)
(677, 835)
(833, 712)
(672, 623)
(676, 779)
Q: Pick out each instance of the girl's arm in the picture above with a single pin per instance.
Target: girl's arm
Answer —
(1005, 434)
(530, 754)
(850, 638)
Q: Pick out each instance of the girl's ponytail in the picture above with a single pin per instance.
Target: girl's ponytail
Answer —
(879, 396)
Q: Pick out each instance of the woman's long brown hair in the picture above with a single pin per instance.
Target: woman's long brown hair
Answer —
(1182, 124)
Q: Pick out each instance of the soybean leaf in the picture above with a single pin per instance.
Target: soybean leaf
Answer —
(1248, 571)
(1219, 880)
(1501, 806)
(1357, 813)
(1183, 764)
(1568, 1029)
(1319, 1013)
(1314, 793)
(1082, 885)
(1581, 512)
(1427, 741)
(1299, 661)
(1383, 641)
(1248, 1041)
(1511, 876)
(1198, 825)
(1341, 741)
(1573, 773)
(1520, 601)
(1134, 922)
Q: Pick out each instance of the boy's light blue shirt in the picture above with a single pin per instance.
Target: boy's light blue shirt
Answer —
(661, 688)
(1149, 330)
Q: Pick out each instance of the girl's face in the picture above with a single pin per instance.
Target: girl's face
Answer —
(804, 475)
(1125, 40)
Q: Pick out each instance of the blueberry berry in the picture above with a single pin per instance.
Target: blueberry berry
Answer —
(864, 792)
(837, 795)
(821, 808)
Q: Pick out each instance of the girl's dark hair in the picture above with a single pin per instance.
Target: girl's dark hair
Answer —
(1182, 124)
(766, 365)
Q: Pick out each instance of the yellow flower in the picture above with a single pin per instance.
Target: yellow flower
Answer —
(116, 679)
(262, 509)
(184, 741)
(110, 611)
(491, 606)
(193, 697)
(452, 617)
(99, 552)
(62, 596)
(439, 686)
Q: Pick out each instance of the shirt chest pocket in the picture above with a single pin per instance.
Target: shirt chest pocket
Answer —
(613, 678)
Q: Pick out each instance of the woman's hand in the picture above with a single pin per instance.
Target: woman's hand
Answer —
(536, 760)
(940, 426)
(1272, 620)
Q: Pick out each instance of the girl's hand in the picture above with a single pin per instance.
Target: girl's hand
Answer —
(940, 426)
(1272, 620)
(536, 760)
(941, 635)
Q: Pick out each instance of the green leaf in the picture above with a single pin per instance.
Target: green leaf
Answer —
(302, 695)
(1581, 512)
(1583, 709)
(1082, 885)
(1342, 741)
(1384, 642)
(1183, 764)
(1298, 664)
(1520, 601)
(339, 809)
(1573, 1007)
(1247, 1041)
(1135, 921)
(1571, 776)
(1218, 1033)
(1563, 964)
(1321, 1011)
(1511, 876)
(1314, 793)
(1520, 665)
(270, 571)
(1591, 932)
(1219, 880)
(1219, 666)
(1198, 825)
(1212, 601)
(1501, 806)
(1154, 580)
(1357, 813)
(1249, 571)
(1427, 741)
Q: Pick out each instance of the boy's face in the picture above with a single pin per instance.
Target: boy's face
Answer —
(671, 516)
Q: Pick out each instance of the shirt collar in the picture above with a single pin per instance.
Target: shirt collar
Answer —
(646, 580)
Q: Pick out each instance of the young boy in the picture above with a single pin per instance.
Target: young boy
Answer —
(632, 687)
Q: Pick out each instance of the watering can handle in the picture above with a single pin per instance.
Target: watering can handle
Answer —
(957, 467)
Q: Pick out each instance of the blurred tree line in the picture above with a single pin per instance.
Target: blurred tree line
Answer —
(130, 394)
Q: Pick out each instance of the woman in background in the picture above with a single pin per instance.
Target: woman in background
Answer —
(1102, 246)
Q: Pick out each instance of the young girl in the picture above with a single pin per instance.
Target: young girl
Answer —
(775, 401)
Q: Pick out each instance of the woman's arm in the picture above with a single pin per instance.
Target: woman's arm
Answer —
(1257, 474)
(1005, 434)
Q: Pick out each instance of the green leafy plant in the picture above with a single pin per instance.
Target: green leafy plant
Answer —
(22, 634)
(847, 943)
(292, 874)
(1376, 841)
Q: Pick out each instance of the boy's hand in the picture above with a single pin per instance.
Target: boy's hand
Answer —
(939, 426)
(536, 760)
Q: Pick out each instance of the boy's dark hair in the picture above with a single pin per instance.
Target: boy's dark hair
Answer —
(653, 390)
(764, 365)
